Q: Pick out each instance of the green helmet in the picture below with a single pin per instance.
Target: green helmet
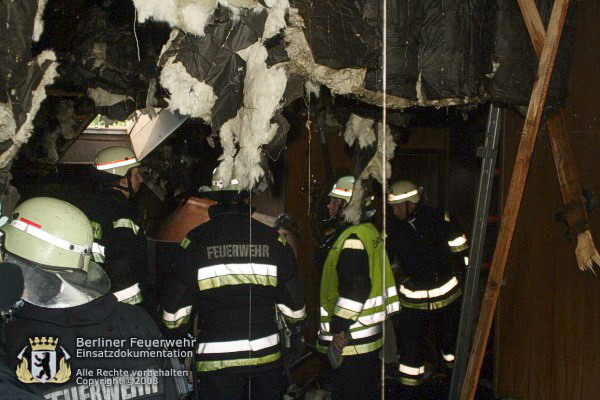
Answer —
(342, 188)
(116, 160)
(403, 191)
(51, 240)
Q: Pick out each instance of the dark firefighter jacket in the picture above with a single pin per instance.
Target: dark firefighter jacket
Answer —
(103, 318)
(353, 287)
(234, 273)
(12, 389)
(427, 248)
(121, 243)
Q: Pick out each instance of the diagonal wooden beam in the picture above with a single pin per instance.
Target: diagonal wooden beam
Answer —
(515, 194)
(570, 185)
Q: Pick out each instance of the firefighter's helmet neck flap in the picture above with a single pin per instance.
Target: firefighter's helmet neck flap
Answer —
(51, 241)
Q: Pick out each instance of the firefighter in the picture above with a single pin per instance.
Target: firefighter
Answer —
(11, 290)
(234, 275)
(354, 299)
(120, 241)
(66, 299)
(427, 246)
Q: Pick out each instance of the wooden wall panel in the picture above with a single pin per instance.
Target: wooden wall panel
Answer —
(548, 325)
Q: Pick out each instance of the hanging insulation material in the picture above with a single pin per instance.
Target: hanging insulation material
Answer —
(191, 16)
(205, 76)
(242, 137)
(234, 78)
(23, 79)
(374, 168)
(359, 129)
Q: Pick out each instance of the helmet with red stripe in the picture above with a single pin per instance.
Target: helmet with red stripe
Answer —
(116, 160)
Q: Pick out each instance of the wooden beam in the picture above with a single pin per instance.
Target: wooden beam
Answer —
(568, 178)
(515, 194)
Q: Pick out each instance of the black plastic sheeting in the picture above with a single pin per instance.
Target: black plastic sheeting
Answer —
(340, 33)
(448, 46)
(213, 59)
(97, 47)
(17, 78)
(513, 81)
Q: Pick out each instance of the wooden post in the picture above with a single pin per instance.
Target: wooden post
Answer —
(515, 194)
(566, 169)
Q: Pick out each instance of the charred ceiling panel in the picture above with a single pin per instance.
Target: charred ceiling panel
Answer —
(515, 63)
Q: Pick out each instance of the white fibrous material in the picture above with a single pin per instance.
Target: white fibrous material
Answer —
(275, 18)
(302, 62)
(7, 122)
(235, 5)
(361, 129)
(103, 98)
(39, 94)
(188, 95)
(312, 88)
(251, 128)
(373, 169)
(38, 23)
(189, 15)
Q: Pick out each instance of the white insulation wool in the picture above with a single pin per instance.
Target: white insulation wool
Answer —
(23, 134)
(302, 62)
(373, 169)
(7, 122)
(189, 15)
(251, 128)
(38, 23)
(276, 17)
(188, 95)
(103, 98)
(359, 129)
(312, 88)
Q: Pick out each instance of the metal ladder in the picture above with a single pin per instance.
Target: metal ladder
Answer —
(488, 153)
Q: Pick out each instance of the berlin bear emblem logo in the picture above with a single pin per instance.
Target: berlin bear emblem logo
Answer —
(43, 363)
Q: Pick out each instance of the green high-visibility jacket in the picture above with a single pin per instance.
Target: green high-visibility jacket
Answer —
(382, 300)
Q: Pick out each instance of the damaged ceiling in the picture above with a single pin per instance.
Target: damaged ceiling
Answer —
(236, 65)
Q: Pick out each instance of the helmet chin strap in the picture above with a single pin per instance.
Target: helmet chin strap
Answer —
(129, 188)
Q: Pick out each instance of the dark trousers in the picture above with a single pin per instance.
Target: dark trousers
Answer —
(264, 385)
(357, 378)
(413, 331)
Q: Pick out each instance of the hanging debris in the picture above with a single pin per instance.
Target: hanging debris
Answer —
(205, 76)
(359, 129)
(374, 168)
(242, 137)
(40, 73)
